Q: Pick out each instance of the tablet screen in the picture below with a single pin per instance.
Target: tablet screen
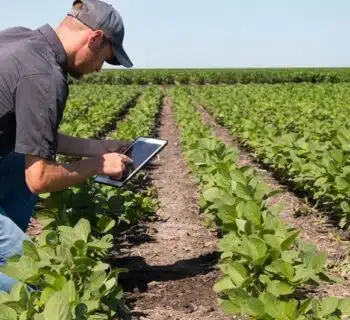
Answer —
(139, 153)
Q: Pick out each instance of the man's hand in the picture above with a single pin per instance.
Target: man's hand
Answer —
(114, 165)
(47, 176)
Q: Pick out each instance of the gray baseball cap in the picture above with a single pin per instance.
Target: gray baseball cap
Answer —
(99, 15)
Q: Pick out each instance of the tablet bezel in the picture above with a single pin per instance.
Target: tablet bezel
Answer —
(116, 183)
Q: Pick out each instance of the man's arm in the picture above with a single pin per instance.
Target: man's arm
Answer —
(79, 147)
(47, 176)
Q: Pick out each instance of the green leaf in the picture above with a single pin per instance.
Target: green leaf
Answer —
(24, 315)
(265, 279)
(307, 246)
(243, 192)
(341, 183)
(279, 288)
(92, 305)
(326, 306)
(97, 280)
(105, 224)
(290, 255)
(212, 194)
(100, 244)
(344, 306)
(30, 250)
(69, 291)
(45, 295)
(273, 241)
(79, 244)
(101, 267)
(4, 296)
(7, 313)
(21, 294)
(238, 177)
(109, 284)
(256, 248)
(45, 218)
(316, 261)
(286, 244)
(302, 274)
(230, 307)
(45, 195)
(59, 283)
(255, 307)
(337, 155)
(237, 272)
(83, 229)
(52, 239)
(272, 305)
(98, 316)
(261, 190)
(291, 308)
(243, 225)
(69, 238)
(58, 307)
(281, 267)
(252, 212)
(23, 270)
(227, 216)
(276, 210)
(305, 306)
(224, 284)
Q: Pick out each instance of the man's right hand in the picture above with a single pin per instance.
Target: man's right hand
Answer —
(48, 176)
(114, 165)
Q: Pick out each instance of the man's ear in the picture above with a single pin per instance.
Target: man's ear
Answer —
(96, 38)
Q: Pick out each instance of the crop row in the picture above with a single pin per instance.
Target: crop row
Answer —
(301, 131)
(264, 263)
(216, 76)
(93, 108)
(66, 263)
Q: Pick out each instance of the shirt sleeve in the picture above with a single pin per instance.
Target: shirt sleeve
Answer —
(37, 117)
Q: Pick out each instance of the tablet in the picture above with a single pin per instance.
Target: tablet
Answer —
(141, 151)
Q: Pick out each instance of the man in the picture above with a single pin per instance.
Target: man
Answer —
(34, 65)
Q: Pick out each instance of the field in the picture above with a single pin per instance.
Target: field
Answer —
(244, 215)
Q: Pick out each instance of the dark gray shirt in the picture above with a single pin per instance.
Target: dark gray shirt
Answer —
(33, 90)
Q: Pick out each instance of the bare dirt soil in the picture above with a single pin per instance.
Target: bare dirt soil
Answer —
(297, 212)
(171, 261)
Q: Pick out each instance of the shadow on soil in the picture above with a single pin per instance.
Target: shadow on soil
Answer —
(141, 274)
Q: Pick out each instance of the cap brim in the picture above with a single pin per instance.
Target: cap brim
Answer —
(120, 58)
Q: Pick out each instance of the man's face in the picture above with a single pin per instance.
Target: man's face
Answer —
(91, 56)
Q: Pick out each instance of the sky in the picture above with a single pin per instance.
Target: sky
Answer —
(216, 34)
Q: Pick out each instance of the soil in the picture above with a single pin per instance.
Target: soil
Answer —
(171, 261)
(312, 223)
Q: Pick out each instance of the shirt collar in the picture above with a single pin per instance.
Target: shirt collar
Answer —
(56, 45)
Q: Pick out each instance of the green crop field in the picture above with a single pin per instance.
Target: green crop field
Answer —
(294, 123)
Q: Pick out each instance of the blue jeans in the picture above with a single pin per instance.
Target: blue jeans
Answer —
(17, 204)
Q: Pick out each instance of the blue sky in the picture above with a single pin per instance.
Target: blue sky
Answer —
(215, 34)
